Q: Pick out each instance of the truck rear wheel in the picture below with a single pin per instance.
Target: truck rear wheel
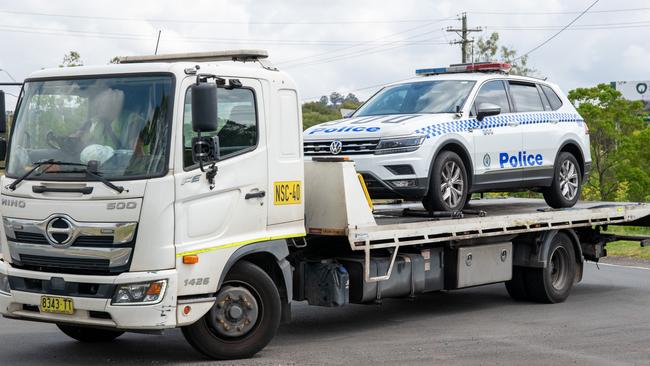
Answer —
(244, 318)
(553, 283)
(516, 287)
(89, 335)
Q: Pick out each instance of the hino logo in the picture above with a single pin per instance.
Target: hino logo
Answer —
(59, 232)
(13, 203)
(336, 146)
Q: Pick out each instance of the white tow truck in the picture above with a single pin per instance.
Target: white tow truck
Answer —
(171, 191)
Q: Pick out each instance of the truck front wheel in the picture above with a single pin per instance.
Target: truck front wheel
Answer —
(244, 318)
(89, 335)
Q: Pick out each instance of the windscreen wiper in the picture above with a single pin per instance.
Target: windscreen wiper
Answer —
(90, 170)
(37, 165)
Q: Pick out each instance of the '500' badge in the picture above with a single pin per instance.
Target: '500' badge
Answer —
(121, 205)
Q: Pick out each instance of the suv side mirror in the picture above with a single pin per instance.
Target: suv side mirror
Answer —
(3, 114)
(204, 107)
(486, 110)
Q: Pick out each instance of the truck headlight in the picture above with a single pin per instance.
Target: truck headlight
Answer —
(4, 284)
(400, 145)
(143, 293)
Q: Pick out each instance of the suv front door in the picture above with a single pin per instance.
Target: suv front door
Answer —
(497, 139)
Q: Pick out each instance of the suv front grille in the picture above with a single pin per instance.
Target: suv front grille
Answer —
(350, 147)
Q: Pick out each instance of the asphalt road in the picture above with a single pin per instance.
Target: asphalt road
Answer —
(606, 321)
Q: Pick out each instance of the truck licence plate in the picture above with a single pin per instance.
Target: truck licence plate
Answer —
(286, 193)
(55, 304)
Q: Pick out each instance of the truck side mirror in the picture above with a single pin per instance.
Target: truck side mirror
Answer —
(204, 107)
(3, 114)
(486, 110)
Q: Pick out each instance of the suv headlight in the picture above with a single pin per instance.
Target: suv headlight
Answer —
(143, 293)
(4, 284)
(400, 145)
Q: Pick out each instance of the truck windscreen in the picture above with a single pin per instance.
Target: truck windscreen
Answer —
(437, 96)
(123, 123)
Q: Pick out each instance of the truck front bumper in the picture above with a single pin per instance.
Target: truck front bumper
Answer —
(91, 296)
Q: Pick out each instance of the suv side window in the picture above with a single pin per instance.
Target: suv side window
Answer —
(492, 92)
(525, 97)
(237, 124)
(553, 99)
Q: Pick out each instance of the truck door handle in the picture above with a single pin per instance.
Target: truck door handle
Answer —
(513, 124)
(255, 194)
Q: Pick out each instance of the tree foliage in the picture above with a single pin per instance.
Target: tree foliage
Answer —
(618, 139)
(327, 108)
(488, 49)
(71, 59)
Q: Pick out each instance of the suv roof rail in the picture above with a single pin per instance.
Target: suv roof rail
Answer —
(228, 55)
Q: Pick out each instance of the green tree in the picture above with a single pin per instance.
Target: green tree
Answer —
(488, 49)
(617, 134)
(71, 59)
(336, 99)
(314, 113)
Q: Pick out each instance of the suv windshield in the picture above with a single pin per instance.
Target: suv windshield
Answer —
(123, 123)
(437, 96)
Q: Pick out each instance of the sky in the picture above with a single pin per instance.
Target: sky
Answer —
(344, 46)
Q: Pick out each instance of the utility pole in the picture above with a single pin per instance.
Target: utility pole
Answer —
(463, 32)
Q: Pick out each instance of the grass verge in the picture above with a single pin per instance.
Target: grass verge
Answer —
(629, 249)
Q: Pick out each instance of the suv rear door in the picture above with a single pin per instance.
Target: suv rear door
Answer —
(541, 134)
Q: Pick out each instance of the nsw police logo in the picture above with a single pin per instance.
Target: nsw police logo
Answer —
(487, 160)
(335, 147)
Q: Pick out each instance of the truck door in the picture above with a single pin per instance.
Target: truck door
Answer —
(233, 213)
(497, 140)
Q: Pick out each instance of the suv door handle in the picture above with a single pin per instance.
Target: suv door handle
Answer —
(255, 194)
(513, 123)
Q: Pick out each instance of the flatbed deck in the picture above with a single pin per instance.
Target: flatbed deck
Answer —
(395, 227)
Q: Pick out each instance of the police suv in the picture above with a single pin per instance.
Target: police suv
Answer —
(466, 128)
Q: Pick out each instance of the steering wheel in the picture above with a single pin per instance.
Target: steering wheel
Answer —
(52, 140)
(68, 144)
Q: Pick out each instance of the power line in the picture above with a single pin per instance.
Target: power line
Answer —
(358, 44)
(135, 36)
(224, 21)
(8, 74)
(557, 12)
(357, 53)
(558, 33)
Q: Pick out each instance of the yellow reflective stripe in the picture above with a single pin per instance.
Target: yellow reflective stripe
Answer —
(239, 243)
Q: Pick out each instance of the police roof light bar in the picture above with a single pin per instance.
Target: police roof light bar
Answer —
(501, 67)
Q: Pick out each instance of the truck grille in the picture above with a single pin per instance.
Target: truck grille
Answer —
(55, 264)
(34, 238)
(350, 147)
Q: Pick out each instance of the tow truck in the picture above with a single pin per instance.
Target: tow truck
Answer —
(171, 191)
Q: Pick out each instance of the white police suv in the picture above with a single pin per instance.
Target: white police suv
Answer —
(462, 129)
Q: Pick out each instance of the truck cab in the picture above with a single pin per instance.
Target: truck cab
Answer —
(105, 212)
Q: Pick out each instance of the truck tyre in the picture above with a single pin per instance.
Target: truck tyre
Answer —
(448, 184)
(516, 287)
(567, 182)
(89, 335)
(244, 318)
(553, 283)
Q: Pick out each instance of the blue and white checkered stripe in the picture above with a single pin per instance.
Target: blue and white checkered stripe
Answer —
(501, 120)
